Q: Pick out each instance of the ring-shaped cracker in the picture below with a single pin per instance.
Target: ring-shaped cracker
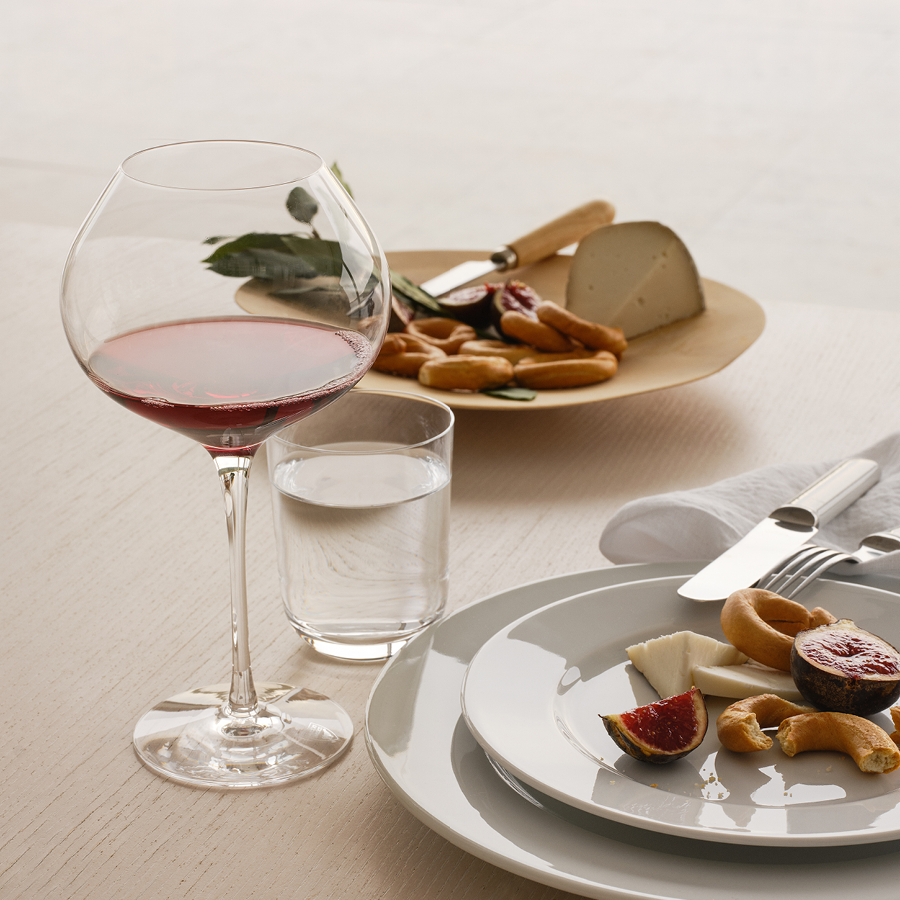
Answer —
(740, 726)
(870, 747)
(447, 334)
(566, 373)
(763, 625)
(512, 352)
(529, 330)
(404, 355)
(466, 373)
(591, 334)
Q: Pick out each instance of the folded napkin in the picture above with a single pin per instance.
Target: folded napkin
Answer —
(703, 523)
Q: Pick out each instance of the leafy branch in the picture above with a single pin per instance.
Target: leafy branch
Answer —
(281, 257)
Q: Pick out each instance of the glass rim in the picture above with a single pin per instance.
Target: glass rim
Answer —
(400, 395)
(156, 183)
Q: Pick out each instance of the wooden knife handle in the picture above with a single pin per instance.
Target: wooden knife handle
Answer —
(567, 229)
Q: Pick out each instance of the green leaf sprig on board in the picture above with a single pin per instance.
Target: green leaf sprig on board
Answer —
(512, 393)
(414, 295)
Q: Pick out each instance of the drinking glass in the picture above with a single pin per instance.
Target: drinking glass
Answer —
(225, 289)
(361, 496)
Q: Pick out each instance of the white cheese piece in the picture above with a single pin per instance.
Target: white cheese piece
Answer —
(668, 661)
(739, 682)
(636, 276)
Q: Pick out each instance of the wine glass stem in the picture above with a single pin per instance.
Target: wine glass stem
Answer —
(234, 472)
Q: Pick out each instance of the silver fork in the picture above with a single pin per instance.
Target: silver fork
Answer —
(800, 569)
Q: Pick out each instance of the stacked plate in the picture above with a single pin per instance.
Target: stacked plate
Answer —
(488, 729)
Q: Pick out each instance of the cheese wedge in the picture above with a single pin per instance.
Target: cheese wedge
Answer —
(740, 682)
(667, 662)
(636, 276)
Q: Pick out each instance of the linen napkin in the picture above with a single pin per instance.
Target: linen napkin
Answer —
(701, 524)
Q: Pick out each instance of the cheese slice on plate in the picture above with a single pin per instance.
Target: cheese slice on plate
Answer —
(740, 682)
(667, 662)
(636, 276)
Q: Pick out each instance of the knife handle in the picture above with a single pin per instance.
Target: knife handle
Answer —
(831, 494)
(546, 240)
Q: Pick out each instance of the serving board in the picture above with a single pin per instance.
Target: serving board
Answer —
(675, 354)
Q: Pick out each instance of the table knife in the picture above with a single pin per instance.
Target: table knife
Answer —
(783, 532)
(528, 249)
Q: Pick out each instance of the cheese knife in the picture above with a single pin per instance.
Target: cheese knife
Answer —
(528, 249)
(782, 532)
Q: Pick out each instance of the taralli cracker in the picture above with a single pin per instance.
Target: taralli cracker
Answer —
(447, 334)
(528, 330)
(763, 625)
(539, 356)
(870, 746)
(404, 355)
(466, 373)
(591, 334)
(740, 726)
(566, 373)
(512, 352)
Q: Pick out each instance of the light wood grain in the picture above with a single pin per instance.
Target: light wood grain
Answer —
(114, 595)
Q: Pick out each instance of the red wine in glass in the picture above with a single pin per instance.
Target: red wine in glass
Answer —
(229, 382)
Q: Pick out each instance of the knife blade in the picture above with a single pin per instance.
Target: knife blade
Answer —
(782, 532)
(528, 249)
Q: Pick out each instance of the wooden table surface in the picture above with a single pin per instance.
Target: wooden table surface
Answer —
(114, 590)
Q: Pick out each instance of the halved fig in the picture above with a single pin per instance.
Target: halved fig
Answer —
(401, 314)
(514, 296)
(471, 305)
(841, 668)
(663, 731)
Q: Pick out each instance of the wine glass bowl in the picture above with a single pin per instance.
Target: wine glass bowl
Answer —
(224, 289)
(148, 295)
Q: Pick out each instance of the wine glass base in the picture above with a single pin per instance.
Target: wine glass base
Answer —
(191, 738)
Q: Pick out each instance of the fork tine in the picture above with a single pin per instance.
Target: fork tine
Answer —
(784, 569)
(787, 586)
(813, 571)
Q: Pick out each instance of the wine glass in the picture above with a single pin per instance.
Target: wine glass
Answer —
(225, 289)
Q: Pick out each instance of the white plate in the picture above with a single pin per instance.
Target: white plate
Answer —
(421, 747)
(534, 693)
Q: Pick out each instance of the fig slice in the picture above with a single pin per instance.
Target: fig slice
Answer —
(841, 668)
(514, 296)
(663, 731)
(471, 305)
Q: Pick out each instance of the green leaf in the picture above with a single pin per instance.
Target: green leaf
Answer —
(215, 239)
(301, 205)
(276, 257)
(245, 242)
(336, 171)
(512, 393)
(414, 294)
(329, 293)
(324, 256)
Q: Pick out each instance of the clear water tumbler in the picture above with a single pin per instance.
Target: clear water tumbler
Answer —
(361, 498)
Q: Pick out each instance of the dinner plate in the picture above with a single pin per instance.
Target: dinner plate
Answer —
(534, 694)
(424, 752)
(675, 354)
